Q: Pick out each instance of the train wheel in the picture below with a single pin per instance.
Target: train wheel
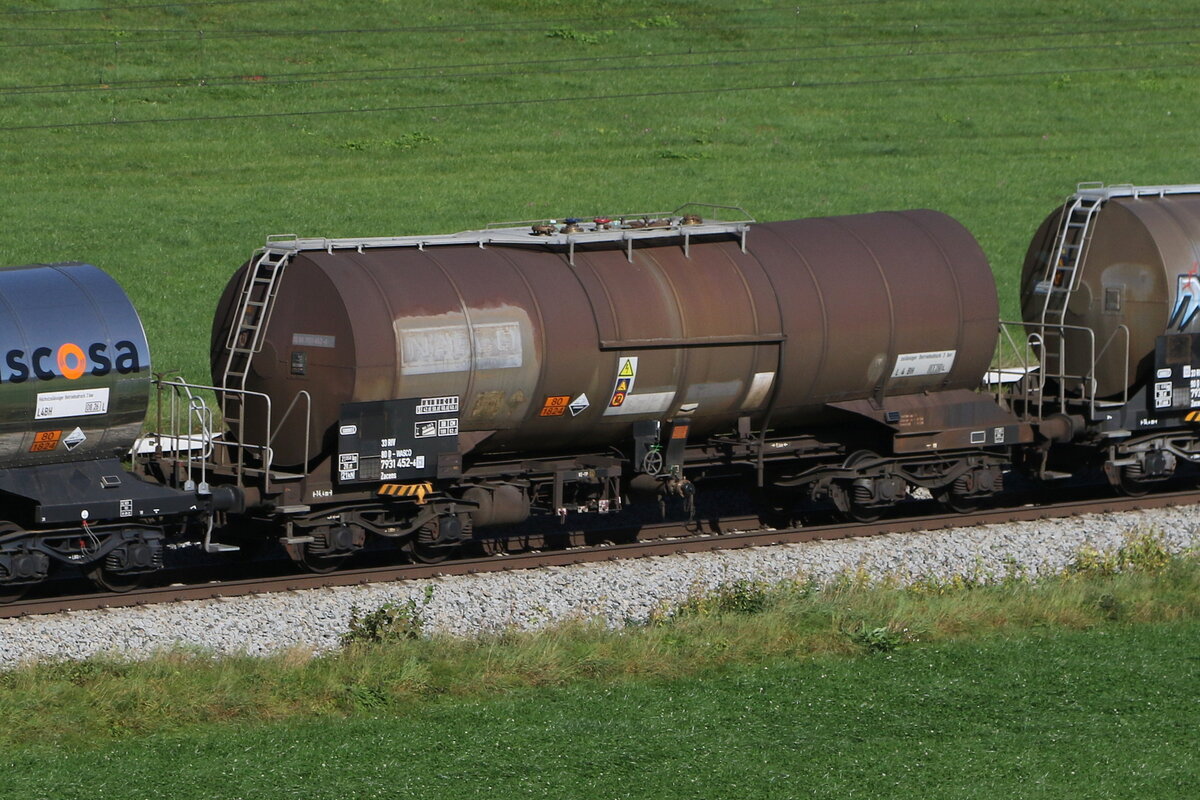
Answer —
(861, 513)
(109, 581)
(1132, 487)
(424, 547)
(11, 594)
(958, 503)
(331, 547)
(321, 564)
(843, 493)
(858, 493)
(1151, 469)
(423, 553)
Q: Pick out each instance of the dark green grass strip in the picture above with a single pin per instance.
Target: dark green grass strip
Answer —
(1101, 713)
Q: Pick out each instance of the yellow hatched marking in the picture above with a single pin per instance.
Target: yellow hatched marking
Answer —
(417, 490)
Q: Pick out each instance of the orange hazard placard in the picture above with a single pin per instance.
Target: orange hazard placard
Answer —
(555, 405)
(45, 440)
(620, 392)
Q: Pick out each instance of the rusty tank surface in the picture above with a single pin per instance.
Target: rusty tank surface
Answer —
(562, 338)
(1119, 267)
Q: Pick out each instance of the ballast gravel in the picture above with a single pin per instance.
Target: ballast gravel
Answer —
(616, 592)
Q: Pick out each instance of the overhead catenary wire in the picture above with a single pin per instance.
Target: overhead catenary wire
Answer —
(790, 7)
(793, 85)
(441, 71)
(193, 3)
(236, 35)
(505, 25)
(655, 68)
(605, 21)
(105, 9)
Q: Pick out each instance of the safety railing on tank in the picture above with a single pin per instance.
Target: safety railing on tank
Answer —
(186, 411)
(637, 220)
(566, 232)
(682, 223)
(1012, 375)
(1019, 378)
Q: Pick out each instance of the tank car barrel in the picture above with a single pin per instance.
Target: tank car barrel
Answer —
(546, 349)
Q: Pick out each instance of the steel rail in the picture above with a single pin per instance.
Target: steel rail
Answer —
(654, 540)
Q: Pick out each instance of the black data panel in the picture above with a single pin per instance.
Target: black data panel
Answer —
(389, 440)
(1177, 372)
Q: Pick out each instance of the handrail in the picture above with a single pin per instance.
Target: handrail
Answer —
(639, 215)
(1036, 341)
(195, 411)
(1007, 347)
(275, 432)
(264, 451)
(674, 225)
(187, 389)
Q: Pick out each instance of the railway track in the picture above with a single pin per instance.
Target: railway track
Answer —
(654, 540)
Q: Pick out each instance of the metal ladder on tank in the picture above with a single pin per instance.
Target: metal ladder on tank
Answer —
(1061, 280)
(245, 340)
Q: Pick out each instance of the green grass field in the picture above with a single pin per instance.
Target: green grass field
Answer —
(164, 142)
(1108, 712)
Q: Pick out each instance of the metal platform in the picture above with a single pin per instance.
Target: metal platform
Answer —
(1098, 191)
(681, 224)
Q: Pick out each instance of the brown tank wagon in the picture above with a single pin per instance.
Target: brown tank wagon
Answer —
(1134, 277)
(426, 387)
(548, 356)
(1110, 301)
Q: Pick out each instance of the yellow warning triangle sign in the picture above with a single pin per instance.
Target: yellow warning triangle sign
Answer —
(626, 370)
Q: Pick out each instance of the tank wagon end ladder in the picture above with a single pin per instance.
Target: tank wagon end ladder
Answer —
(258, 291)
(1068, 252)
(1061, 277)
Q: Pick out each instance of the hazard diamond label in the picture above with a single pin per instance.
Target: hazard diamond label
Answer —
(579, 405)
(74, 439)
(626, 375)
